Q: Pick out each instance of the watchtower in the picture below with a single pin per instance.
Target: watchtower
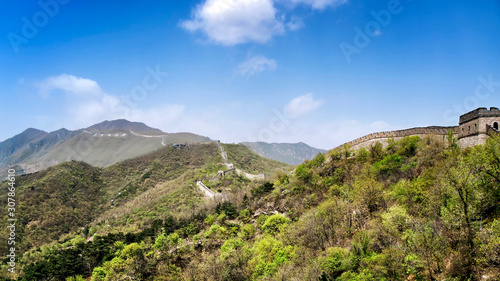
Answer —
(476, 126)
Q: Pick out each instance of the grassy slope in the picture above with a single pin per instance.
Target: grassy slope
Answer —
(54, 202)
(290, 153)
(245, 159)
(127, 196)
(383, 214)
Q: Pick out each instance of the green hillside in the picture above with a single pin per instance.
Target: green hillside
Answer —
(418, 209)
(249, 161)
(75, 199)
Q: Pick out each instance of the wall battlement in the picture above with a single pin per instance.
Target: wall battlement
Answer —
(478, 113)
(474, 128)
(419, 131)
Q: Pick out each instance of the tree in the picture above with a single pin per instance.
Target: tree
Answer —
(460, 213)
(274, 222)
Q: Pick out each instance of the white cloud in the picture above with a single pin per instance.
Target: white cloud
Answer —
(70, 84)
(162, 116)
(255, 65)
(295, 23)
(87, 104)
(301, 106)
(232, 22)
(319, 4)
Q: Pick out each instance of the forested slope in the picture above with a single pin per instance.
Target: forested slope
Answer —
(419, 209)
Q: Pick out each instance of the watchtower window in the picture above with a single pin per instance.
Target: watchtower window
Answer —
(475, 127)
(469, 129)
(495, 125)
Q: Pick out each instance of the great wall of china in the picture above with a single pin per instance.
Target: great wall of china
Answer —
(383, 137)
(119, 135)
(473, 128)
(230, 168)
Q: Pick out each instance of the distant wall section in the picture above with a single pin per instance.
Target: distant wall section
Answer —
(383, 137)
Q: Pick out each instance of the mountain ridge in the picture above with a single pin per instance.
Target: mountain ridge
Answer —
(290, 153)
(121, 125)
(101, 145)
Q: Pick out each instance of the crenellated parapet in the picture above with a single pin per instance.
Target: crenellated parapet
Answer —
(474, 128)
(481, 112)
(419, 131)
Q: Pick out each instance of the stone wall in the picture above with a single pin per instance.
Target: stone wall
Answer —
(479, 113)
(471, 141)
(383, 137)
(476, 126)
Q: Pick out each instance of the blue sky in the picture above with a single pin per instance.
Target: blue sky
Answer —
(318, 71)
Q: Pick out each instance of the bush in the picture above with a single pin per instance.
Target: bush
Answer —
(228, 208)
(304, 173)
(267, 187)
(334, 264)
(274, 222)
(408, 146)
(388, 165)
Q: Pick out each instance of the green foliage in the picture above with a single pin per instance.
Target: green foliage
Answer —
(376, 152)
(216, 232)
(303, 172)
(316, 161)
(75, 278)
(210, 219)
(269, 254)
(362, 155)
(274, 223)
(334, 264)
(247, 231)
(98, 274)
(417, 210)
(396, 219)
(245, 215)
(488, 242)
(228, 208)
(408, 146)
(389, 165)
(248, 161)
(262, 189)
(230, 246)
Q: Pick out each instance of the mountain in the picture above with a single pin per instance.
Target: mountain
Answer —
(419, 209)
(14, 144)
(31, 143)
(121, 125)
(290, 153)
(100, 145)
(72, 195)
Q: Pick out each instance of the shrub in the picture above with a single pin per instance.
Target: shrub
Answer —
(228, 208)
(274, 222)
(335, 263)
(303, 172)
(266, 187)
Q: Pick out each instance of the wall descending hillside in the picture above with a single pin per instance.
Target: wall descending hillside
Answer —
(383, 137)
